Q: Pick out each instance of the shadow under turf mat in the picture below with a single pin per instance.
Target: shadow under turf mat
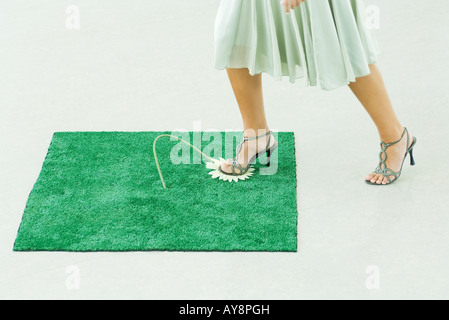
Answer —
(101, 191)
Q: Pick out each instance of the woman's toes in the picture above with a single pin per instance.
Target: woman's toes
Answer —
(225, 167)
(369, 177)
(379, 179)
(385, 180)
(374, 178)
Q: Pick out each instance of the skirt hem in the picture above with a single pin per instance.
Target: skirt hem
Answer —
(293, 79)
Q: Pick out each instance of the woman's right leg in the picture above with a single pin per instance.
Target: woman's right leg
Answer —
(249, 95)
(372, 93)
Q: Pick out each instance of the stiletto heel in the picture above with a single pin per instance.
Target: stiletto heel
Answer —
(412, 160)
(268, 157)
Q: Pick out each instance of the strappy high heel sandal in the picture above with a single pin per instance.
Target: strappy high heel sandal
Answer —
(382, 167)
(268, 150)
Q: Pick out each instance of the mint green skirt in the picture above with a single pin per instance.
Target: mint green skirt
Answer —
(326, 42)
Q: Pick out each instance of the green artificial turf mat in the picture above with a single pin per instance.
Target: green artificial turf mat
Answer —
(101, 191)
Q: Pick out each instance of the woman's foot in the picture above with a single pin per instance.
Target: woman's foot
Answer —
(249, 149)
(395, 157)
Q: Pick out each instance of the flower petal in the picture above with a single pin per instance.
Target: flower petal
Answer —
(215, 174)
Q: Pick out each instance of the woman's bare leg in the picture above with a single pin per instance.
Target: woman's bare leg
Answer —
(249, 95)
(371, 92)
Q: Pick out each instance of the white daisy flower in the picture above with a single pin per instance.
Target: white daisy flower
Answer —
(216, 173)
(214, 164)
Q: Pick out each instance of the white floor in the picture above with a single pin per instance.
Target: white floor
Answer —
(148, 66)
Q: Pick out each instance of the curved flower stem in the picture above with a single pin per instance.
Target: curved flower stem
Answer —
(155, 155)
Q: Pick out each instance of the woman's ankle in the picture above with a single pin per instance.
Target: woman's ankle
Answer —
(391, 134)
(255, 131)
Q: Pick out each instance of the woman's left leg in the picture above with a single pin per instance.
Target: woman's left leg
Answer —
(249, 95)
(371, 92)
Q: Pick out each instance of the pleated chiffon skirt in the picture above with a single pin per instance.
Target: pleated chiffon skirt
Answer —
(326, 42)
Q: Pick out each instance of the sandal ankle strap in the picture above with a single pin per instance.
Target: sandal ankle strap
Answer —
(385, 145)
(252, 138)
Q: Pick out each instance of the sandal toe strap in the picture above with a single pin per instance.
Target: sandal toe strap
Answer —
(236, 164)
(386, 172)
